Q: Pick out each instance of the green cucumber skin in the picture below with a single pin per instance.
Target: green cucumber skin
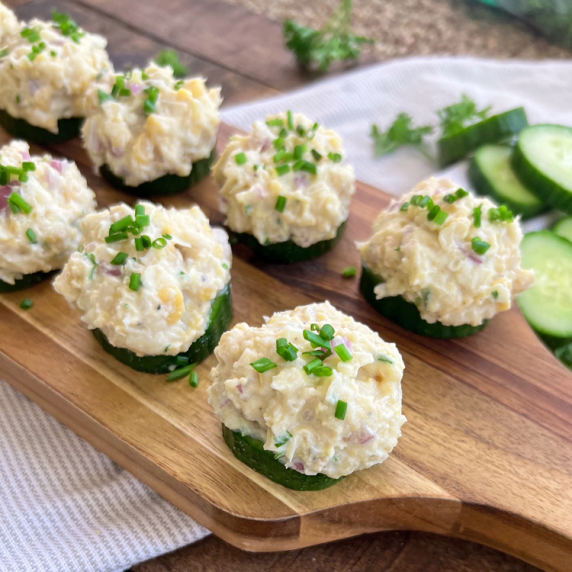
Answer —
(163, 186)
(492, 130)
(251, 452)
(219, 321)
(483, 187)
(289, 252)
(563, 228)
(68, 128)
(406, 314)
(26, 282)
(543, 186)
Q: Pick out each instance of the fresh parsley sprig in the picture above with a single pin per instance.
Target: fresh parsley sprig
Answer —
(333, 42)
(171, 58)
(456, 117)
(402, 132)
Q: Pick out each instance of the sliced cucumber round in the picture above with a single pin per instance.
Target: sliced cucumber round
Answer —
(543, 162)
(252, 453)
(69, 128)
(27, 281)
(288, 251)
(563, 228)
(219, 320)
(491, 174)
(548, 304)
(406, 314)
(165, 185)
(492, 130)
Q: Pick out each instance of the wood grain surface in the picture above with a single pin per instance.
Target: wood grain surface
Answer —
(521, 406)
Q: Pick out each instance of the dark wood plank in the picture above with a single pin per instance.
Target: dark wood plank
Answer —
(128, 48)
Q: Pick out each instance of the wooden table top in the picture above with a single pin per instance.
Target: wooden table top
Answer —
(243, 52)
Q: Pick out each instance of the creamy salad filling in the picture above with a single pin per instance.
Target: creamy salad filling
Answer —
(152, 124)
(147, 277)
(46, 69)
(330, 407)
(8, 23)
(42, 201)
(285, 181)
(456, 256)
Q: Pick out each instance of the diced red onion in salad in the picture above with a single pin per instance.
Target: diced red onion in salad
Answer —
(5, 192)
(26, 155)
(224, 403)
(361, 437)
(136, 88)
(469, 253)
(57, 165)
(110, 270)
(298, 465)
(265, 145)
(339, 340)
(301, 181)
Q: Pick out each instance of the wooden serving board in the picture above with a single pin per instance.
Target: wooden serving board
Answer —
(486, 454)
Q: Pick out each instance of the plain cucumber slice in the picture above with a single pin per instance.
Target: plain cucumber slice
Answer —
(165, 185)
(406, 314)
(491, 174)
(548, 304)
(564, 228)
(492, 130)
(288, 251)
(219, 320)
(67, 129)
(543, 162)
(27, 281)
(252, 453)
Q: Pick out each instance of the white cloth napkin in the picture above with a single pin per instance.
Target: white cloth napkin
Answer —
(64, 507)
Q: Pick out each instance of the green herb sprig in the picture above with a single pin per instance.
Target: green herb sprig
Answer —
(67, 26)
(456, 117)
(171, 58)
(400, 133)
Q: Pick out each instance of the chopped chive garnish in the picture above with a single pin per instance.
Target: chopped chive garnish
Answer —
(32, 236)
(167, 236)
(275, 123)
(179, 84)
(385, 359)
(28, 166)
(283, 133)
(159, 243)
(4, 53)
(103, 97)
(316, 340)
(53, 53)
(300, 130)
(135, 281)
(181, 361)
(327, 332)
(458, 194)
(349, 272)
(441, 217)
(341, 409)
(26, 304)
(426, 201)
(16, 200)
(478, 215)
(433, 212)
(284, 440)
(225, 265)
(146, 241)
(309, 367)
(299, 151)
(120, 259)
(152, 96)
(479, 246)
(263, 364)
(282, 170)
(143, 220)
(139, 210)
(495, 294)
(240, 158)
(322, 371)
(404, 207)
(278, 143)
(415, 200)
(194, 379)
(501, 213)
(314, 328)
(334, 157)
(290, 120)
(318, 353)
(280, 155)
(281, 204)
(286, 350)
(117, 237)
(121, 224)
(181, 372)
(343, 352)
(302, 165)
(316, 155)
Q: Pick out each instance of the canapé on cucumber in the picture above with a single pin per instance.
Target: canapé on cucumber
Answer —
(563, 228)
(491, 174)
(288, 251)
(219, 320)
(27, 281)
(21, 129)
(165, 185)
(548, 304)
(406, 314)
(495, 129)
(542, 162)
(252, 453)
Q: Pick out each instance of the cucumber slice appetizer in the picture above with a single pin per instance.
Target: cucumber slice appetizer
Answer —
(457, 146)
(252, 453)
(542, 162)
(27, 281)
(491, 174)
(548, 304)
(165, 185)
(288, 251)
(563, 228)
(406, 314)
(67, 129)
(219, 320)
